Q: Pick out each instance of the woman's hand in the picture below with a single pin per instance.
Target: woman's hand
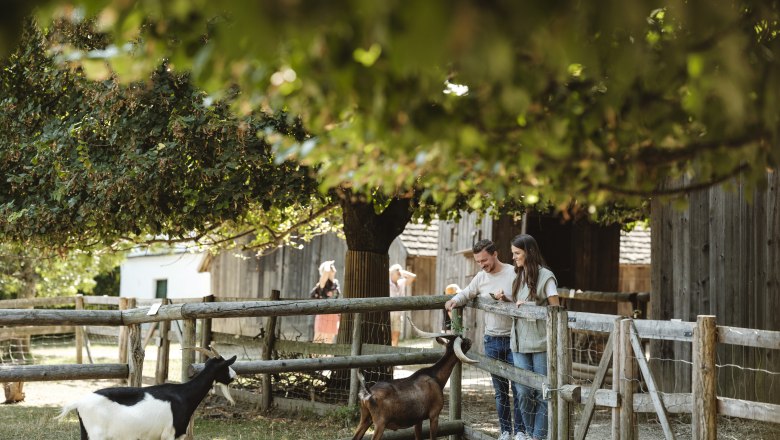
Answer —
(520, 303)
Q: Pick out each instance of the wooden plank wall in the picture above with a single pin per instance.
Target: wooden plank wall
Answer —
(719, 256)
(455, 264)
(291, 271)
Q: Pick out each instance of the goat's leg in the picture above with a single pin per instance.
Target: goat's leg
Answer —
(365, 422)
(434, 426)
(379, 429)
(418, 431)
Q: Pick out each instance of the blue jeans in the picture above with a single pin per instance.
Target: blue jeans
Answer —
(497, 347)
(532, 406)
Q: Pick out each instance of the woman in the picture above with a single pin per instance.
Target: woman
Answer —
(326, 326)
(534, 284)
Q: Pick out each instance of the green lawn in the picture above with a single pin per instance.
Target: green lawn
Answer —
(36, 423)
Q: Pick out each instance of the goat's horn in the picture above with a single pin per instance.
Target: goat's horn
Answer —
(423, 334)
(214, 350)
(208, 354)
(459, 352)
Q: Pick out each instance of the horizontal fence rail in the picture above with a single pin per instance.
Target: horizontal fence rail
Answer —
(200, 310)
(31, 373)
(339, 356)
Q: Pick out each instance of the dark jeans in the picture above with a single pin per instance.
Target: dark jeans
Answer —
(534, 408)
(497, 347)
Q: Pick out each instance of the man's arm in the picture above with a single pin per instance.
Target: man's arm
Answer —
(462, 297)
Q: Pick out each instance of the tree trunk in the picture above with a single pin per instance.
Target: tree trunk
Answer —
(369, 236)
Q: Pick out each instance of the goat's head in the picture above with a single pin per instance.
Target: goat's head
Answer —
(458, 343)
(223, 372)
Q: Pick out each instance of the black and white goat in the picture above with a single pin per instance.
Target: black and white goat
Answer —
(155, 412)
(402, 403)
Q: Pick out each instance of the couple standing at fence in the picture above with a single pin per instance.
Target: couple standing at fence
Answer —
(518, 341)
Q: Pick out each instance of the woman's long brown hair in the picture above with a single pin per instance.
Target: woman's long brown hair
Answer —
(530, 271)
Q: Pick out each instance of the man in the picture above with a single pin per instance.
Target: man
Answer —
(399, 279)
(495, 279)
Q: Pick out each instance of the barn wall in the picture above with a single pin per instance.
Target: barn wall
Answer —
(455, 264)
(719, 256)
(291, 271)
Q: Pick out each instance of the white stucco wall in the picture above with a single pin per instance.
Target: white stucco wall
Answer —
(140, 273)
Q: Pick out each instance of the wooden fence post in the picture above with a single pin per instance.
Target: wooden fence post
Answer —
(627, 417)
(357, 349)
(617, 358)
(456, 377)
(188, 338)
(163, 350)
(205, 330)
(187, 343)
(553, 405)
(267, 354)
(123, 305)
(135, 355)
(79, 332)
(704, 420)
(564, 371)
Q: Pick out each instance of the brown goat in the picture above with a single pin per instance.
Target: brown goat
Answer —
(402, 403)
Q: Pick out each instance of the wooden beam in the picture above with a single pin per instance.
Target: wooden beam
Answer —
(763, 412)
(507, 371)
(31, 373)
(284, 308)
(268, 347)
(334, 363)
(163, 352)
(39, 317)
(356, 350)
(79, 332)
(598, 381)
(627, 376)
(657, 402)
(749, 337)
(704, 420)
(22, 303)
(445, 428)
(553, 376)
(18, 332)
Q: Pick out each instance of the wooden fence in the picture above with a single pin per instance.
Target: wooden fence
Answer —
(624, 353)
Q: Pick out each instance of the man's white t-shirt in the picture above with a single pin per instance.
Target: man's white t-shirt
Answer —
(483, 284)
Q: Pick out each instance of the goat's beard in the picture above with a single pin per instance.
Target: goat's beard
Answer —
(226, 392)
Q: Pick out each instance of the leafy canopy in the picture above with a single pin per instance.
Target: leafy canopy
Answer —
(498, 101)
(90, 162)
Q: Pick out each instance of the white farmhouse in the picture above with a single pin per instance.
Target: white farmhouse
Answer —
(164, 273)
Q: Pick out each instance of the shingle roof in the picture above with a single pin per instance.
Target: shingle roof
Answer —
(635, 246)
(421, 240)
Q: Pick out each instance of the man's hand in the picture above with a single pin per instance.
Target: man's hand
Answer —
(499, 296)
(449, 305)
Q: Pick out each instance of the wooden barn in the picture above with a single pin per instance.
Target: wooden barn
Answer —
(720, 256)
(293, 272)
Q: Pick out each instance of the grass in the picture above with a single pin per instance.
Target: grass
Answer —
(211, 423)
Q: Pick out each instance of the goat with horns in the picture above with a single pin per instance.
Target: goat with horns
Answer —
(402, 403)
(158, 412)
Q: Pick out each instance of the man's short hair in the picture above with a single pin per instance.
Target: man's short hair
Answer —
(485, 245)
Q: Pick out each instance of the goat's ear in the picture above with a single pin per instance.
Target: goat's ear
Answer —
(231, 360)
(441, 340)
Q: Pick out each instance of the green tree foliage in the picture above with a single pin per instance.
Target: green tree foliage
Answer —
(592, 102)
(28, 272)
(88, 163)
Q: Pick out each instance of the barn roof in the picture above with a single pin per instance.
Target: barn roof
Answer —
(421, 240)
(635, 246)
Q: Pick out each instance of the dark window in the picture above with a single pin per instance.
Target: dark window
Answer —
(161, 289)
